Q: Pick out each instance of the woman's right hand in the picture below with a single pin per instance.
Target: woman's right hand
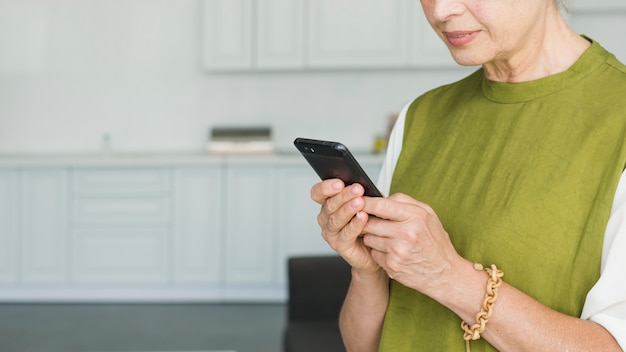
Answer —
(342, 220)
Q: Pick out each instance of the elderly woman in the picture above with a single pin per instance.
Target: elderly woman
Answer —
(519, 165)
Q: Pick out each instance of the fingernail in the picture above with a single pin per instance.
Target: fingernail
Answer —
(337, 185)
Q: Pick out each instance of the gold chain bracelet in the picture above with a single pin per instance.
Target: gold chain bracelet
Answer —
(491, 295)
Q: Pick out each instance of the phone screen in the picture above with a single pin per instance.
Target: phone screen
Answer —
(334, 160)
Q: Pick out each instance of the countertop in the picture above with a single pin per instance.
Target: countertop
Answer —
(161, 159)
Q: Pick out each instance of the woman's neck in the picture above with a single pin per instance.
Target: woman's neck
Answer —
(553, 51)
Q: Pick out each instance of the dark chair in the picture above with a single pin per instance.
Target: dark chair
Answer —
(317, 288)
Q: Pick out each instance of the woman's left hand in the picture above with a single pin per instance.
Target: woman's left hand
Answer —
(409, 242)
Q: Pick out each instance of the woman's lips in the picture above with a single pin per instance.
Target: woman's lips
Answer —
(460, 38)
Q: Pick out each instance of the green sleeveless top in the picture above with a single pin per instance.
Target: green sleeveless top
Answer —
(521, 175)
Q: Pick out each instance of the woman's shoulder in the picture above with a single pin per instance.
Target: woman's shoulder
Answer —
(606, 57)
(616, 64)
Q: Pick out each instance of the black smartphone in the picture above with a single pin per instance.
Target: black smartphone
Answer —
(334, 160)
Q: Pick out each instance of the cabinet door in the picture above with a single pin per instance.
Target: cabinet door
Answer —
(425, 46)
(116, 255)
(8, 225)
(197, 225)
(121, 225)
(250, 234)
(44, 226)
(227, 34)
(357, 33)
(279, 35)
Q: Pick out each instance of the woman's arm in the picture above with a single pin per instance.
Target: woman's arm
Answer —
(363, 311)
(519, 322)
(342, 221)
(522, 323)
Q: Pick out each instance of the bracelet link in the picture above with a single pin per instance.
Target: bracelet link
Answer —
(491, 296)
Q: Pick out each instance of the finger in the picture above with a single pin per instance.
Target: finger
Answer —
(335, 219)
(398, 207)
(326, 189)
(400, 219)
(349, 234)
(340, 208)
(375, 242)
(379, 257)
(346, 195)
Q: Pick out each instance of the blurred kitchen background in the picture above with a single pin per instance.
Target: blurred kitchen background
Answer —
(109, 198)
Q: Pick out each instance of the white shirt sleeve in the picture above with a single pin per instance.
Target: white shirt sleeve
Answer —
(394, 146)
(606, 301)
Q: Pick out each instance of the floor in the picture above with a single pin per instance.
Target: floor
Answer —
(141, 327)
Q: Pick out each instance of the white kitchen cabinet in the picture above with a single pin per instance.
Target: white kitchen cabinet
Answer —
(120, 256)
(250, 232)
(279, 34)
(8, 226)
(357, 33)
(246, 34)
(227, 27)
(257, 35)
(43, 226)
(120, 225)
(198, 222)
(156, 228)
(373, 33)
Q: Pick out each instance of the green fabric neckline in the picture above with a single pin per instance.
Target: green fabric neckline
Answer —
(511, 93)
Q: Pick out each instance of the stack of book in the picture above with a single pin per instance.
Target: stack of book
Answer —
(240, 140)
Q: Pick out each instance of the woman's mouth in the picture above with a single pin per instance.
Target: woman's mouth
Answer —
(460, 38)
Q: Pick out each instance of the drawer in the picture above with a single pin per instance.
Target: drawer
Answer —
(121, 209)
(126, 181)
(113, 255)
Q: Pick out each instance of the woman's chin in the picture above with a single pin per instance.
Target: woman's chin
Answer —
(464, 59)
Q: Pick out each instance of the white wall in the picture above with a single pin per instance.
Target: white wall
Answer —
(73, 70)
